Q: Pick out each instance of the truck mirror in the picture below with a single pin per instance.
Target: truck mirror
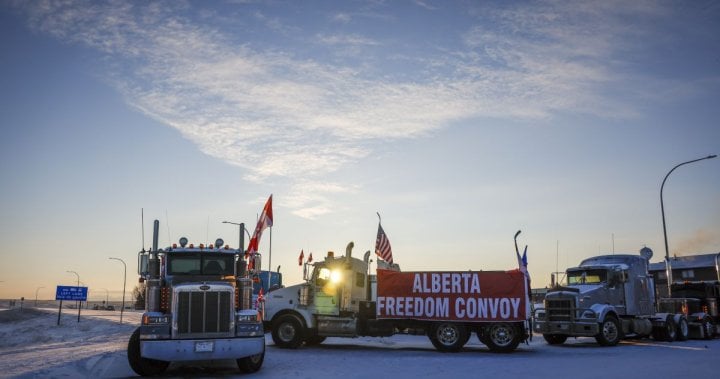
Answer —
(142, 263)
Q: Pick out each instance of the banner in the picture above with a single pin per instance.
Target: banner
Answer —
(454, 296)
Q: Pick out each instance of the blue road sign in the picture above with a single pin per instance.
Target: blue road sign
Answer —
(71, 293)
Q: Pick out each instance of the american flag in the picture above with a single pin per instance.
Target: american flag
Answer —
(382, 246)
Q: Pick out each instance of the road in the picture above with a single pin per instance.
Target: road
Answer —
(414, 357)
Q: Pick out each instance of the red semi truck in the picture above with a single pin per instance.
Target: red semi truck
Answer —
(341, 299)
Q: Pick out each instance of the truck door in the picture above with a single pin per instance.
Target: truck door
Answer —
(645, 303)
(326, 299)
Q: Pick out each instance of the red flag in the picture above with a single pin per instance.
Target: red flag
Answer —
(265, 220)
(300, 258)
(310, 258)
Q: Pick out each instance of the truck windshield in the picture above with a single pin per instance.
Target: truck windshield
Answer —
(200, 264)
(586, 277)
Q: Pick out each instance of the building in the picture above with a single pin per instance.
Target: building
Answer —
(701, 267)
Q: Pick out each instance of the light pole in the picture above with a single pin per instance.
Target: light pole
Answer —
(241, 243)
(79, 303)
(668, 269)
(122, 308)
(36, 295)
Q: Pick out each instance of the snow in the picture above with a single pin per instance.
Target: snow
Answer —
(32, 345)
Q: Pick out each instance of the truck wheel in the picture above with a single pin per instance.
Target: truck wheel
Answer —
(143, 366)
(287, 332)
(666, 331)
(448, 337)
(610, 333)
(682, 328)
(502, 337)
(252, 363)
(555, 339)
(708, 328)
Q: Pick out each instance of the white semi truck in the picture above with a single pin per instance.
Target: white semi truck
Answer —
(340, 298)
(607, 297)
(198, 306)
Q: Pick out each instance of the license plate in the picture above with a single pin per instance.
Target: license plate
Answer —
(564, 327)
(204, 346)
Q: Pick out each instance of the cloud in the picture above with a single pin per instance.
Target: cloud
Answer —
(278, 115)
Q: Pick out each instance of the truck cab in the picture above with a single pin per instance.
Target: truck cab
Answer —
(323, 305)
(198, 307)
(606, 297)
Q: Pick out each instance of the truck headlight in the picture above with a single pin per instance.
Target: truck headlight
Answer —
(335, 277)
(246, 316)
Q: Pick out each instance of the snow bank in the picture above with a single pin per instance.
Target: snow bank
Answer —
(33, 345)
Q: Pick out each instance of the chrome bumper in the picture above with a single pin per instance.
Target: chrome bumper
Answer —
(197, 349)
(568, 328)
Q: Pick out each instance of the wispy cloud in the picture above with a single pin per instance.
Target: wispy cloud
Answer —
(274, 114)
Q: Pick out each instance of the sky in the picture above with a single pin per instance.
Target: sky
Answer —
(460, 122)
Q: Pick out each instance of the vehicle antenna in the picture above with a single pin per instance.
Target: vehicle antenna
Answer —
(142, 227)
(167, 222)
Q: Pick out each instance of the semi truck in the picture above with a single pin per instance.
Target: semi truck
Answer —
(199, 306)
(698, 301)
(340, 298)
(608, 297)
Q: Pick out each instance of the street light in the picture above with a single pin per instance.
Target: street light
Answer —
(78, 277)
(79, 303)
(240, 239)
(36, 295)
(122, 308)
(668, 270)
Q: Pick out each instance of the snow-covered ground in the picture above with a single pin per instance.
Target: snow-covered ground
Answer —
(33, 345)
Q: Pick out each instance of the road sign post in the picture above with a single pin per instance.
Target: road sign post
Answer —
(70, 293)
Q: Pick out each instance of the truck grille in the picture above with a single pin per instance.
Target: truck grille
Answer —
(204, 313)
(559, 310)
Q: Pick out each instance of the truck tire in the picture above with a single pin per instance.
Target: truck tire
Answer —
(683, 329)
(287, 332)
(252, 363)
(143, 366)
(708, 328)
(555, 339)
(610, 332)
(448, 337)
(502, 337)
(666, 331)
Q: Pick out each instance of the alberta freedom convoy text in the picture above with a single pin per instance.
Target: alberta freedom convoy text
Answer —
(472, 296)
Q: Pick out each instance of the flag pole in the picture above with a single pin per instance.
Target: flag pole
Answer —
(270, 260)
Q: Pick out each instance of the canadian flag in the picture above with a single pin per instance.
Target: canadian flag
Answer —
(300, 258)
(265, 221)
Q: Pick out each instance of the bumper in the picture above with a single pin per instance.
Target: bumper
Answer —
(202, 349)
(567, 328)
